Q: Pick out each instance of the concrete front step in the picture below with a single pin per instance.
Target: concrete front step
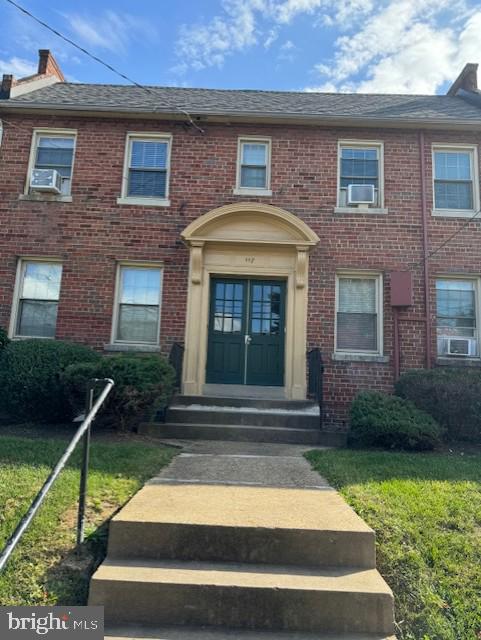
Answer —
(243, 433)
(248, 416)
(184, 633)
(239, 402)
(255, 597)
(238, 524)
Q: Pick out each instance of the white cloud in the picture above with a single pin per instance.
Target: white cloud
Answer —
(17, 67)
(404, 49)
(111, 31)
(245, 23)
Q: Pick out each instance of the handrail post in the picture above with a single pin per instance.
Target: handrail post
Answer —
(89, 401)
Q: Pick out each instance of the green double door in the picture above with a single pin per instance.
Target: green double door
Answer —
(246, 332)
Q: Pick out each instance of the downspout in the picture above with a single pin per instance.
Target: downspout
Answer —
(424, 214)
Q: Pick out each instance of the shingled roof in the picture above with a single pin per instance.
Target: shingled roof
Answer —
(249, 103)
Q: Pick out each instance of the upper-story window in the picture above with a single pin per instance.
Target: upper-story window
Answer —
(359, 313)
(37, 292)
(253, 166)
(146, 169)
(456, 189)
(457, 317)
(360, 163)
(53, 149)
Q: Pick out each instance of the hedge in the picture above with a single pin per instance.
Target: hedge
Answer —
(30, 378)
(143, 385)
(386, 421)
(451, 396)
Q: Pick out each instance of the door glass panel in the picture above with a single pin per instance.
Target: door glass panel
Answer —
(265, 309)
(228, 307)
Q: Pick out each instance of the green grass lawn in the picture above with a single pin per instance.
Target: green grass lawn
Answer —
(45, 568)
(426, 511)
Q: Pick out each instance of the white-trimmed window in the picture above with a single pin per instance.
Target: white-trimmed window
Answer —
(53, 149)
(37, 292)
(254, 166)
(146, 169)
(137, 304)
(360, 163)
(457, 311)
(455, 180)
(359, 313)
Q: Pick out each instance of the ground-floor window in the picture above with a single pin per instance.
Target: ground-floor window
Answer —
(137, 304)
(457, 317)
(37, 292)
(359, 313)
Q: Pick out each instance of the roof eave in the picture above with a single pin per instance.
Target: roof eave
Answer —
(237, 116)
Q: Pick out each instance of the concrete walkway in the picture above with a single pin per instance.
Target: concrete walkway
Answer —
(240, 463)
(241, 540)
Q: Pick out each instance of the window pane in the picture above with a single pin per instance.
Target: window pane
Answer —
(452, 165)
(41, 281)
(147, 184)
(453, 195)
(253, 177)
(359, 168)
(37, 319)
(456, 309)
(148, 154)
(357, 295)
(254, 154)
(140, 286)
(138, 324)
(357, 331)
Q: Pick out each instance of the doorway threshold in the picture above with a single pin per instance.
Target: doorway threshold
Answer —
(244, 391)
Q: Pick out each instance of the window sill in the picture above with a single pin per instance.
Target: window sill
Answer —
(362, 210)
(359, 357)
(458, 361)
(252, 192)
(132, 348)
(452, 213)
(43, 197)
(145, 202)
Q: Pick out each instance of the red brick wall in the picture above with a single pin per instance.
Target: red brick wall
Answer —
(93, 232)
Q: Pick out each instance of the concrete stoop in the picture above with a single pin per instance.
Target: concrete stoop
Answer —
(244, 420)
(217, 562)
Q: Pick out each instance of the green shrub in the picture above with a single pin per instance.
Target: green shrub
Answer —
(381, 420)
(143, 385)
(4, 339)
(30, 378)
(451, 396)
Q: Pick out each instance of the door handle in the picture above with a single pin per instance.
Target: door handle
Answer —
(248, 340)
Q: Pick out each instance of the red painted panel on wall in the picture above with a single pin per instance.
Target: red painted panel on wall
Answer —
(401, 289)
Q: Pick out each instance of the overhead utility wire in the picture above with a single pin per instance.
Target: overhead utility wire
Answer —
(105, 64)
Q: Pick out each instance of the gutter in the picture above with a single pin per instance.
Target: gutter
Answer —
(239, 116)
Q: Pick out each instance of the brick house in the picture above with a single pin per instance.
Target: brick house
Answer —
(249, 226)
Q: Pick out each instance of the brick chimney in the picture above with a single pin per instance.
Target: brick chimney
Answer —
(48, 72)
(47, 65)
(466, 81)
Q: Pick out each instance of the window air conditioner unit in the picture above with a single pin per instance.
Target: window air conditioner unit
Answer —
(46, 180)
(360, 194)
(461, 346)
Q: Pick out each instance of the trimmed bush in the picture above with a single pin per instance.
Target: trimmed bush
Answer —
(4, 339)
(30, 378)
(143, 385)
(451, 396)
(380, 420)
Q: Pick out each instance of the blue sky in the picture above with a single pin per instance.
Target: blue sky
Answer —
(387, 46)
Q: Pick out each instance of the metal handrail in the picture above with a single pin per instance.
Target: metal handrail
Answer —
(84, 430)
(315, 385)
